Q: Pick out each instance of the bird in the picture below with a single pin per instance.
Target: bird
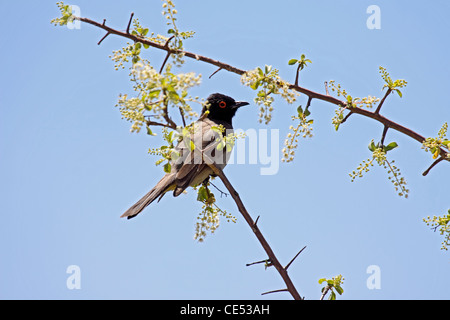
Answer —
(189, 168)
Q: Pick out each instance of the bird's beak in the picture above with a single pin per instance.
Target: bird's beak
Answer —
(239, 104)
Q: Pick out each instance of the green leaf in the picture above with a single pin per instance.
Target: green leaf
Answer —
(154, 94)
(255, 85)
(390, 146)
(322, 280)
(372, 146)
(149, 132)
(202, 195)
(261, 73)
(167, 167)
(170, 137)
(339, 290)
(144, 32)
(292, 61)
(332, 296)
(300, 111)
(399, 93)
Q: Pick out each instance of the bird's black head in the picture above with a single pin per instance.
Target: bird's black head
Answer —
(222, 107)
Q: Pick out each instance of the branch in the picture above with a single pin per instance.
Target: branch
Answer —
(311, 94)
(272, 257)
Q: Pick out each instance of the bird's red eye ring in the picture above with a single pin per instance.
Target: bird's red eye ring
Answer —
(222, 104)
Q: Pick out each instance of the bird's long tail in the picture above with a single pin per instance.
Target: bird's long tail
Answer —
(164, 185)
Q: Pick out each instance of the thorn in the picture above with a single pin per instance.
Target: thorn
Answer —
(383, 136)
(164, 62)
(346, 117)
(222, 193)
(107, 34)
(267, 261)
(274, 291)
(104, 21)
(326, 88)
(256, 221)
(287, 266)
(166, 45)
(215, 72)
(129, 23)
(308, 103)
(432, 165)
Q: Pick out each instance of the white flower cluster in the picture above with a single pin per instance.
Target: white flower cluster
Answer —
(394, 175)
(132, 109)
(434, 145)
(304, 128)
(209, 217)
(269, 83)
(156, 92)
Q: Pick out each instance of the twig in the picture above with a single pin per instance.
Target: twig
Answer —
(308, 103)
(347, 116)
(221, 192)
(166, 117)
(326, 88)
(432, 165)
(297, 74)
(166, 45)
(153, 123)
(377, 111)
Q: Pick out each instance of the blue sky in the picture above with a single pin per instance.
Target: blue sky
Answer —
(69, 166)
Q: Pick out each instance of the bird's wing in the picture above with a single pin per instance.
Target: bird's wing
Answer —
(193, 168)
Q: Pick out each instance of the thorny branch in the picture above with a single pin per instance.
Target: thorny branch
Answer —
(311, 95)
(272, 257)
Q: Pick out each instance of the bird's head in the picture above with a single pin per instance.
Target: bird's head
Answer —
(221, 107)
